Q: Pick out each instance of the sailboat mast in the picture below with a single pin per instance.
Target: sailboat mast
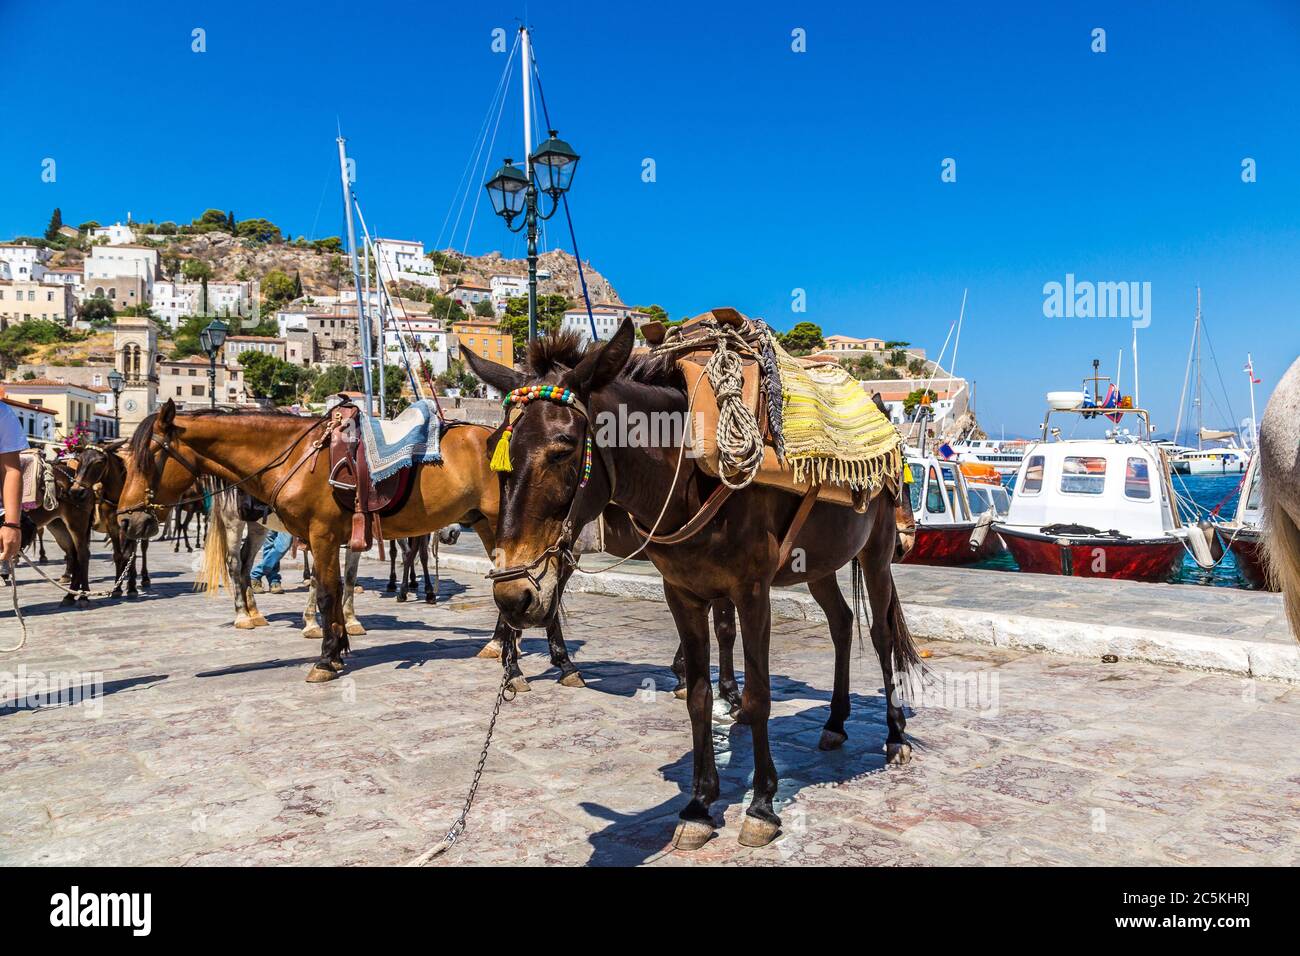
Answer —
(363, 326)
(1200, 415)
(1250, 376)
(1137, 391)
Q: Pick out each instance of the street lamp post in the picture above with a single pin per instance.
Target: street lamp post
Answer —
(212, 338)
(513, 191)
(116, 383)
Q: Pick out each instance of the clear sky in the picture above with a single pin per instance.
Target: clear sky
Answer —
(775, 170)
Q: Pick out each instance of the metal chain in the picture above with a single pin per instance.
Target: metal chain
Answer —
(458, 827)
(13, 595)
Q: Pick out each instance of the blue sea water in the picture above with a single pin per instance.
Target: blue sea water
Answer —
(1207, 492)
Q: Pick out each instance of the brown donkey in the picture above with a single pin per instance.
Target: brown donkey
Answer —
(273, 457)
(735, 555)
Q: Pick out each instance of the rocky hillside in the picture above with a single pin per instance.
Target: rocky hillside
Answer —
(562, 269)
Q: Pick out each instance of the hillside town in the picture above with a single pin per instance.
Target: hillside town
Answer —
(99, 324)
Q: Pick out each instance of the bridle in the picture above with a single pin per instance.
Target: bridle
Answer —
(166, 450)
(562, 549)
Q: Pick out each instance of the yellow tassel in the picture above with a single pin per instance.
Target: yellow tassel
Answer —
(501, 457)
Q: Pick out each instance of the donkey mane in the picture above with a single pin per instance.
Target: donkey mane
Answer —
(563, 350)
(140, 444)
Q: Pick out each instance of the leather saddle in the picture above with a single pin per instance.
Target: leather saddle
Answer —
(349, 476)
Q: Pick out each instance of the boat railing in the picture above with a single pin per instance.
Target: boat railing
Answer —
(1096, 412)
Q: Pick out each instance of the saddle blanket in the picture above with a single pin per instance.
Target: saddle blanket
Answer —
(412, 438)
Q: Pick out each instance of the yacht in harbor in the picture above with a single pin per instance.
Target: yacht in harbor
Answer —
(953, 523)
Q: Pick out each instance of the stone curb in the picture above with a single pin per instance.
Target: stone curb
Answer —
(1050, 635)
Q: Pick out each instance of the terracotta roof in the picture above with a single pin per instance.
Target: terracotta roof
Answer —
(45, 383)
(253, 338)
(27, 405)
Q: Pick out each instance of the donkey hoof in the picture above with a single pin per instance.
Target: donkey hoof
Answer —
(69, 600)
(319, 675)
(358, 589)
(756, 831)
(336, 666)
(692, 834)
(244, 623)
(491, 650)
(355, 628)
(259, 621)
(831, 740)
(83, 603)
(898, 753)
(401, 598)
(519, 685)
(313, 633)
(573, 679)
(680, 691)
(431, 598)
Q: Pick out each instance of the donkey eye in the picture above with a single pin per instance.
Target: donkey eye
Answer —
(559, 453)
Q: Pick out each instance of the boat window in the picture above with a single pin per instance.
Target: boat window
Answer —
(914, 486)
(1137, 479)
(979, 500)
(1254, 501)
(1033, 476)
(1083, 475)
(934, 495)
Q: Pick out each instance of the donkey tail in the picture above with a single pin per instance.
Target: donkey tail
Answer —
(906, 656)
(1282, 554)
(214, 572)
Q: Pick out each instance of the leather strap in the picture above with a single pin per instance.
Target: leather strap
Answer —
(312, 450)
(687, 531)
(796, 525)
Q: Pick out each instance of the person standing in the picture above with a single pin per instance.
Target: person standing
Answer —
(12, 441)
(274, 548)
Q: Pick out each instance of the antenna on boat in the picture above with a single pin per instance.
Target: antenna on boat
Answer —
(1137, 393)
(1250, 377)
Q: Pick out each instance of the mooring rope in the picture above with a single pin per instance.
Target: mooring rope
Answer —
(77, 593)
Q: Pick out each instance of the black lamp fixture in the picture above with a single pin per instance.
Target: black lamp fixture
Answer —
(116, 382)
(514, 191)
(212, 338)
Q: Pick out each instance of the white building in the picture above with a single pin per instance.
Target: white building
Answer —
(470, 295)
(116, 234)
(21, 262)
(428, 333)
(38, 423)
(69, 276)
(174, 301)
(403, 259)
(607, 317)
(505, 287)
(113, 262)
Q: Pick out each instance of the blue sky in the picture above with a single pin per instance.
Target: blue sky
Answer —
(775, 170)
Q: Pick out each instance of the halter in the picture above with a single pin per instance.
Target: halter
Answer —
(515, 403)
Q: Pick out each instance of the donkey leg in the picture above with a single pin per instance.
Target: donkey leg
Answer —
(247, 558)
(430, 592)
(569, 675)
(145, 583)
(408, 554)
(392, 568)
(761, 824)
(310, 629)
(350, 562)
(329, 597)
(691, 615)
(724, 631)
(507, 638)
(679, 669)
(241, 592)
(889, 634)
(826, 592)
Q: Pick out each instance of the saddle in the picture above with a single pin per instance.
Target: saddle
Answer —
(758, 395)
(349, 475)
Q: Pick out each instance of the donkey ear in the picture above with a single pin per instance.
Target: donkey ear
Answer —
(504, 380)
(167, 414)
(880, 404)
(601, 365)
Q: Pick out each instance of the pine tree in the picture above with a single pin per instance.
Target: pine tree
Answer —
(56, 223)
(230, 221)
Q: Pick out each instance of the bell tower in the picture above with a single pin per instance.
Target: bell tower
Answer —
(135, 343)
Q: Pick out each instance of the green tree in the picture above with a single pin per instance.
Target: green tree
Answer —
(96, 309)
(278, 288)
(329, 244)
(916, 368)
(56, 223)
(258, 230)
(267, 376)
(230, 222)
(805, 337)
(196, 270)
(344, 378)
(458, 376)
(484, 309)
(913, 403)
(550, 313)
(657, 313)
(897, 358)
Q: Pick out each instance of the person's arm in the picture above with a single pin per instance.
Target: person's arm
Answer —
(11, 470)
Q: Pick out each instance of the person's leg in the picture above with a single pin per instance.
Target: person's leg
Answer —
(279, 548)
(260, 568)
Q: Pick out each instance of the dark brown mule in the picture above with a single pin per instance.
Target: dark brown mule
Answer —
(274, 458)
(70, 523)
(734, 556)
(101, 475)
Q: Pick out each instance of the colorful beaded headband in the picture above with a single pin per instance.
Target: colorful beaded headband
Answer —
(519, 398)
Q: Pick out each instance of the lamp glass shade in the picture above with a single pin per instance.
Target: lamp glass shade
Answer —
(216, 336)
(554, 164)
(116, 381)
(507, 190)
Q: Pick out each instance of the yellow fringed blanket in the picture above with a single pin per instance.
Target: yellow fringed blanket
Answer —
(833, 432)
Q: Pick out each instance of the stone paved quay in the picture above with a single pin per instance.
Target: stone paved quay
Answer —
(208, 747)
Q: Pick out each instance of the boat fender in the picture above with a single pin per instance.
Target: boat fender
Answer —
(981, 530)
(1216, 543)
(1197, 538)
